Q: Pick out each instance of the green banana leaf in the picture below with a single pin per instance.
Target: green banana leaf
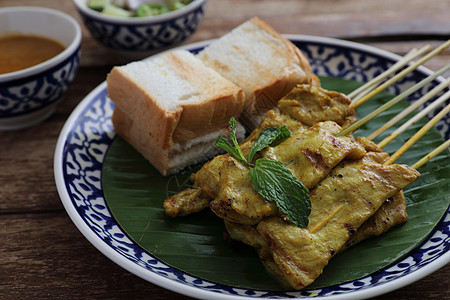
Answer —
(135, 191)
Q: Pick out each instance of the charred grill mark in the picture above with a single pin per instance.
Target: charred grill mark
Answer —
(348, 243)
(220, 208)
(315, 158)
(336, 142)
(350, 229)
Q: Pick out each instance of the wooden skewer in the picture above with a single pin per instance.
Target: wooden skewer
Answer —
(417, 136)
(410, 108)
(321, 223)
(430, 155)
(392, 102)
(364, 89)
(326, 219)
(400, 75)
(414, 119)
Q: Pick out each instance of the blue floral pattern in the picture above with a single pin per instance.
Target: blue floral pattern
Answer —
(92, 133)
(19, 97)
(145, 37)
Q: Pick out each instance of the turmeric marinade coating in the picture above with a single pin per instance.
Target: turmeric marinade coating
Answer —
(304, 105)
(309, 154)
(391, 213)
(345, 205)
(341, 203)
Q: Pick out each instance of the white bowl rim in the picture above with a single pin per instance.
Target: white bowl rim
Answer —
(82, 6)
(69, 50)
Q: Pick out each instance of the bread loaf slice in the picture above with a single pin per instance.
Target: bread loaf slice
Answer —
(171, 104)
(179, 155)
(260, 61)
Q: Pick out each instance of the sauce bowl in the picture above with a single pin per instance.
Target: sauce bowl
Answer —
(29, 96)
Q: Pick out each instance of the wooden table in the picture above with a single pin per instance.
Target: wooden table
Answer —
(43, 255)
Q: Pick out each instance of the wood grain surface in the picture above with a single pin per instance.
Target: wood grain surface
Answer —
(42, 253)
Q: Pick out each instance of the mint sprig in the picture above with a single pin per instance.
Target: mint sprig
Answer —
(270, 178)
(235, 150)
(269, 136)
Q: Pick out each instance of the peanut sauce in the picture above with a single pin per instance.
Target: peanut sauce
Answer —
(20, 51)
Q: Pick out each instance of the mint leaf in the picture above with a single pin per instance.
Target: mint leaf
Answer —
(282, 133)
(269, 136)
(270, 178)
(225, 145)
(273, 181)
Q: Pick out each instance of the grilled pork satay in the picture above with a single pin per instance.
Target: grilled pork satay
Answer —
(207, 179)
(391, 213)
(341, 203)
(311, 105)
(310, 155)
(303, 105)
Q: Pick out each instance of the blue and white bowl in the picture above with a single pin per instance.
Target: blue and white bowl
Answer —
(29, 96)
(143, 35)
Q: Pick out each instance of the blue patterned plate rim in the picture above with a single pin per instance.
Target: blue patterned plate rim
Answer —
(189, 288)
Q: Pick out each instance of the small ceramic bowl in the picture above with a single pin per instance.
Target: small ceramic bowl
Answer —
(143, 35)
(30, 95)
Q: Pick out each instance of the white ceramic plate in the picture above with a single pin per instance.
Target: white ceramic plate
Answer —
(88, 133)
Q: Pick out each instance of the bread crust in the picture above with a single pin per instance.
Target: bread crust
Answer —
(170, 160)
(156, 121)
(215, 101)
(159, 128)
(263, 90)
(131, 131)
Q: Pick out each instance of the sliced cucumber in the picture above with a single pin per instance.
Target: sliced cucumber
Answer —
(176, 5)
(115, 11)
(97, 5)
(151, 9)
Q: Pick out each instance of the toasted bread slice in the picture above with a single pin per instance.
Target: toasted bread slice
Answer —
(260, 61)
(172, 159)
(173, 100)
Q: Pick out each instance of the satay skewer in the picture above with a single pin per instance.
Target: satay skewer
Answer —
(401, 74)
(431, 155)
(414, 119)
(394, 157)
(392, 102)
(418, 135)
(412, 107)
(367, 87)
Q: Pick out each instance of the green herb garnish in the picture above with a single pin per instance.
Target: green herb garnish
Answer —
(276, 183)
(235, 150)
(270, 178)
(269, 136)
